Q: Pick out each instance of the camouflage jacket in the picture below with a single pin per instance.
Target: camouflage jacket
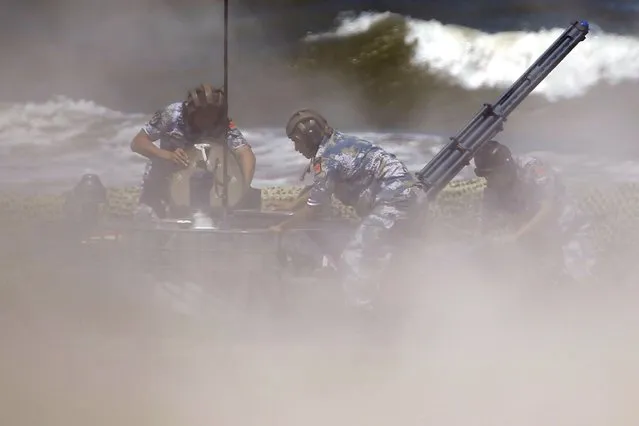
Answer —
(169, 127)
(536, 183)
(358, 173)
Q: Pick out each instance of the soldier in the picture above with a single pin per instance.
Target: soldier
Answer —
(179, 126)
(361, 175)
(524, 194)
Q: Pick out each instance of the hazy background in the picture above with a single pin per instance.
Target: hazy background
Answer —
(79, 78)
(135, 56)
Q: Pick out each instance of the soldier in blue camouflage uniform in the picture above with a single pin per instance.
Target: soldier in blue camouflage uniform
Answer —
(178, 126)
(524, 194)
(361, 175)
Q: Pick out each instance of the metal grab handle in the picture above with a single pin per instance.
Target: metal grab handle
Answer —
(202, 147)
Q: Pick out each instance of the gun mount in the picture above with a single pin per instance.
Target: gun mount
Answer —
(490, 119)
(242, 253)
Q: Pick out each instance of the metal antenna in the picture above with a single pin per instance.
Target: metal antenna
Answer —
(225, 148)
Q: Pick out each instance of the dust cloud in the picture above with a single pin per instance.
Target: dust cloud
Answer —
(470, 349)
(471, 345)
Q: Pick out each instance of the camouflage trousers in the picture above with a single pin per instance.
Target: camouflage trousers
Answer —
(150, 205)
(368, 254)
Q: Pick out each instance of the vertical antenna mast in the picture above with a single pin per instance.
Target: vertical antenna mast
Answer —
(225, 150)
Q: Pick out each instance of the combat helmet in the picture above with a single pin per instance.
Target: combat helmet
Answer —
(308, 128)
(203, 96)
(491, 157)
(210, 102)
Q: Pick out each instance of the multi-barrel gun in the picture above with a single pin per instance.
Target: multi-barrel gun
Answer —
(490, 120)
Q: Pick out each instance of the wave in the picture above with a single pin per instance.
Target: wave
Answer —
(48, 146)
(472, 59)
(54, 142)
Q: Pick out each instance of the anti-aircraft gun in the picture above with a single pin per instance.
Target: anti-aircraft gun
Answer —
(490, 119)
(238, 252)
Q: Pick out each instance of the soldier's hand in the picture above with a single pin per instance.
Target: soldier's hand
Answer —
(177, 157)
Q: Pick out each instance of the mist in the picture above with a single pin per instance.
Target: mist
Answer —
(139, 56)
(472, 344)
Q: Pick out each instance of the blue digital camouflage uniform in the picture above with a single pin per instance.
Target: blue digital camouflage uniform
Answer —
(169, 127)
(382, 191)
(566, 247)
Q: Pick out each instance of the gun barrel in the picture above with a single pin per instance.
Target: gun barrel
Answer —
(489, 120)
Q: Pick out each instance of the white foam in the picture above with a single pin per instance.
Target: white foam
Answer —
(474, 59)
(68, 138)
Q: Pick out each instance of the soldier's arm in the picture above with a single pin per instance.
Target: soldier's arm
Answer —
(543, 181)
(319, 194)
(143, 142)
(488, 214)
(301, 198)
(539, 219)
(298, 202)
(242, 149)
